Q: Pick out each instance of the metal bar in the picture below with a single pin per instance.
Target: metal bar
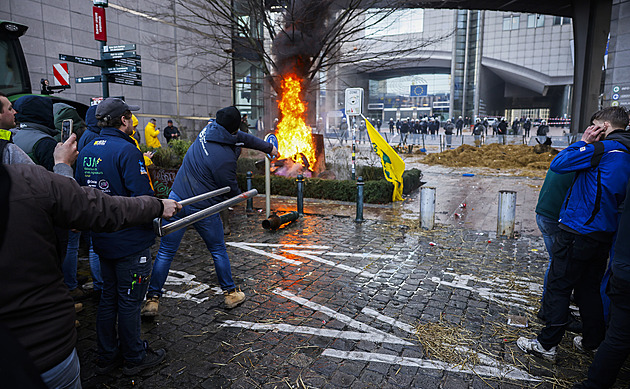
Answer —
(427, 207)
(250, 202)
(300, 194)
(190, 219)
(360, 184)
(507, 213)
(205, 196)
(267, 186)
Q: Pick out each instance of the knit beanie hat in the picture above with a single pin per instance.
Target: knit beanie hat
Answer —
(229, 118)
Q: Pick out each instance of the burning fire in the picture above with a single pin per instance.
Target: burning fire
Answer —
(295, 140)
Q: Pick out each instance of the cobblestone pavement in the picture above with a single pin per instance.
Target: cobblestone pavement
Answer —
(336, 304)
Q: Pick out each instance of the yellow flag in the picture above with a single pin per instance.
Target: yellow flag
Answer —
(393, 165)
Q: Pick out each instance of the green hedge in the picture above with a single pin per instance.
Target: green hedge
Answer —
(374, 191)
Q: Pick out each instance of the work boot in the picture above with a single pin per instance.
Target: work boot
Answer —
(233, 298)
(78, 293)
(150, 307)
(151, 359)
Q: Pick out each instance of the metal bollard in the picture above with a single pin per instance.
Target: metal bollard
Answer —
(360, 184)
(441, 143)
(300, 194)
(427, 207)
(507, 213)
(250, 201)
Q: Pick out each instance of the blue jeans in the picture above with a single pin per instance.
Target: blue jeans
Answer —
(125, 282)
(65, 375)
(69, 266)
(211, 231)
(549, 229)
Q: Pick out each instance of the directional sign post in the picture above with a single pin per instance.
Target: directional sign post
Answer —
(89, 79)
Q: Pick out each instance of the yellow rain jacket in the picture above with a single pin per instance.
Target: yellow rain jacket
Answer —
(150, 135)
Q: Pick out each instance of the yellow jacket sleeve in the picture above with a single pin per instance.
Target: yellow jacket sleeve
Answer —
(150, 134)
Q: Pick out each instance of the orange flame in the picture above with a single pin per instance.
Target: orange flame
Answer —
(295, 138)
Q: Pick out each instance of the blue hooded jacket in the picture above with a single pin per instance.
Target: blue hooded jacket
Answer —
(210, 163)
(113, 164)
(603, 169)
(93, 130)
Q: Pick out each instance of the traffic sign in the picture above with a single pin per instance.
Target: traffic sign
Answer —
(120, 54)
(271, 138)
(120, 69)
(85, 80)
(127, 62)
(100, 24)
(82, 60)
(354, 101)
(61, 75)
(111, 48)
(133, 76)
(124, 81)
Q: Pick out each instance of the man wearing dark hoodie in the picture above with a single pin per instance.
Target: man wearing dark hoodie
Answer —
(588, 221)
(209, 164)
(36, 129)
(93, 130)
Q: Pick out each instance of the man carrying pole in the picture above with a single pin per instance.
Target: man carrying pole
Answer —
(209, 164)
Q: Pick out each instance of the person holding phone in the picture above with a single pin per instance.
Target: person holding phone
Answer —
(588, 222)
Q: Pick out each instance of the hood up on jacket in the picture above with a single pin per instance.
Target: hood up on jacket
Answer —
(63, 111)
(621, 136)
(34, 109)
(91, 121)
(218, 134)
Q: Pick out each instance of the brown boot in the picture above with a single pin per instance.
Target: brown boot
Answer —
(233, 298)
(150, 308)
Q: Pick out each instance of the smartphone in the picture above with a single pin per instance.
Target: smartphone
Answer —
(66, 130)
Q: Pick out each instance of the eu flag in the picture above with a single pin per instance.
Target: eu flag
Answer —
(418, 90)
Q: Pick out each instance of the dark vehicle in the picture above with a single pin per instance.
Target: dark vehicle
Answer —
(14, 79)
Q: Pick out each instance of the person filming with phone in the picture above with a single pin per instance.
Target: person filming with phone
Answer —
(588, 221)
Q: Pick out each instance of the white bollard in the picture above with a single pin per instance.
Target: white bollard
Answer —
(427, 207)
(507, 213)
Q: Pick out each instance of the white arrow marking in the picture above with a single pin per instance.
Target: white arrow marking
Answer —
(488, 371)
(331, 263)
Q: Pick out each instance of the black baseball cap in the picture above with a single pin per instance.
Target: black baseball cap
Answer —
(113, 107)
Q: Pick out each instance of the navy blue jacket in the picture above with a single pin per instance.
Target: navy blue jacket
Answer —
(92, 132)
(593, 201)
(210, 163)
(113, 164)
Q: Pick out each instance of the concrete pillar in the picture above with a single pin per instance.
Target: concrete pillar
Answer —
(591, 24)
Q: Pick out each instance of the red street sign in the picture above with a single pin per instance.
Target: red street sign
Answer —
(100, 28)
(60, 72)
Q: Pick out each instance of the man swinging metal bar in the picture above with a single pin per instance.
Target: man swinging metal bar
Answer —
(195, 217)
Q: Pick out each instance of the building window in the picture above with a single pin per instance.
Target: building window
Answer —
(536, 20)
(510, 23)
(384, 22)
(560, 20)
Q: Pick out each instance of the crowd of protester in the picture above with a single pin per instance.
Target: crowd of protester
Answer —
(95, 184)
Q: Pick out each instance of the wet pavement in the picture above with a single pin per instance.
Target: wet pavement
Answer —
(337, 304)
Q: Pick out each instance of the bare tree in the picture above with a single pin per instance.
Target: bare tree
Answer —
(304, 37)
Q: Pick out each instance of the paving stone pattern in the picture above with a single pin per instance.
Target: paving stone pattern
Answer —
(405, 280)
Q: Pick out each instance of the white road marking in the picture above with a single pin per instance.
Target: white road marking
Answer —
(333, 314)
(300, 246)
(391, 321)
(360, 255)
(331, 263)
(185, 279)
(504, 295)
(336, 334)
(483, 370)
(246, 246)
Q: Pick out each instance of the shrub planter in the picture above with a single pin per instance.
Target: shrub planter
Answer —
(375, 191)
